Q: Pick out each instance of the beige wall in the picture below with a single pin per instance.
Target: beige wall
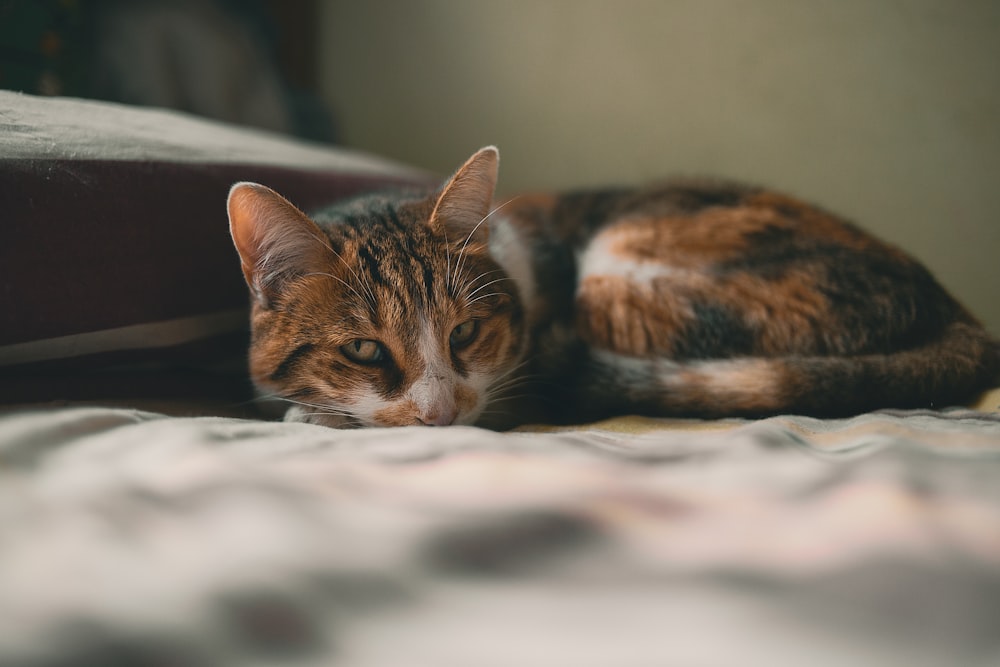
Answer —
(886, 111)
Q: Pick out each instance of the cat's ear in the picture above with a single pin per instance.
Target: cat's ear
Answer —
(276, 241)
(467, 197)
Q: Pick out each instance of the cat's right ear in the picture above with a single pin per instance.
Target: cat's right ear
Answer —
(276, 241)
(467, 198)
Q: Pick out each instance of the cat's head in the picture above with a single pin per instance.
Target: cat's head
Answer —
(391, 311)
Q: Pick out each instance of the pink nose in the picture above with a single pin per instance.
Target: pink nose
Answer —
(443, 417)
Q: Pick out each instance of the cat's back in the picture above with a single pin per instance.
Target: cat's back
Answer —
(695, 214)
(762, 271)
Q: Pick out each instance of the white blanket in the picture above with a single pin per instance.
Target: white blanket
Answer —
(136, 539)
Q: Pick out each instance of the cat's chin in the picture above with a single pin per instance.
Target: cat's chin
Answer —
(298, 413)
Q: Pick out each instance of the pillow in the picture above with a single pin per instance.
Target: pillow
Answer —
(118, 274)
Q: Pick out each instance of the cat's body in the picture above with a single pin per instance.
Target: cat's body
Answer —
(691, 299)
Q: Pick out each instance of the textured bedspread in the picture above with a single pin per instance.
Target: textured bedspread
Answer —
(136, 539)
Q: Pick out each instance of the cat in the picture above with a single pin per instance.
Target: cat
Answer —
(693, 299)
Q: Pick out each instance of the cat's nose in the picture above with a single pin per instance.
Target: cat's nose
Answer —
(444, 417)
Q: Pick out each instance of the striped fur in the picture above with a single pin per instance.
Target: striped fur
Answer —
(697, 299)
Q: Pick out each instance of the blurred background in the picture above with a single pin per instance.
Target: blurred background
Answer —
(887, 112)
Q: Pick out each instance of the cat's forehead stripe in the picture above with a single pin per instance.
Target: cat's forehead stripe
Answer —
(367, 253)
(392, 261)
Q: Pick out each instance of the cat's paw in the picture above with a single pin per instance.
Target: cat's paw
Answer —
(298, 413)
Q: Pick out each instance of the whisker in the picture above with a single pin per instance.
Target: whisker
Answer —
(484, 296)
(260, 398)
(364, 284)
(371, 300)
(482, 287)
(328, 409)
(482, 275)
(516, 397)
(510, 376)
(447, 260)
(461, 254)
(467, 284)
(321, 240)
(341, 281)
(514, 383)
(520, 381)
(503, 391)
(515, 368)
(501, 386)
(535, 389)
(322, 410)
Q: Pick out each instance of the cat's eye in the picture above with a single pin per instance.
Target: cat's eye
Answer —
(464, 333)
(364, 351)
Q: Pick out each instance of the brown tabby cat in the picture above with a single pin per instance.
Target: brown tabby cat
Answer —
(693, 299)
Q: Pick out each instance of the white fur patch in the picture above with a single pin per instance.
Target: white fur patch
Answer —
(728, 376)
(635, 370)
(728, 379)
(513, 254)
(598, 259)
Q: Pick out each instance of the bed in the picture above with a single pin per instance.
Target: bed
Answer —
(149, 516)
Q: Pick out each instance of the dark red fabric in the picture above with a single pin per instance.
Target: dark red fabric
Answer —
(93, 245)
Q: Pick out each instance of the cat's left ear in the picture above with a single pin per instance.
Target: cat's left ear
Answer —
(467, 197)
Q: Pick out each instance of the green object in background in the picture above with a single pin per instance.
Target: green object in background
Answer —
(43, 46)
